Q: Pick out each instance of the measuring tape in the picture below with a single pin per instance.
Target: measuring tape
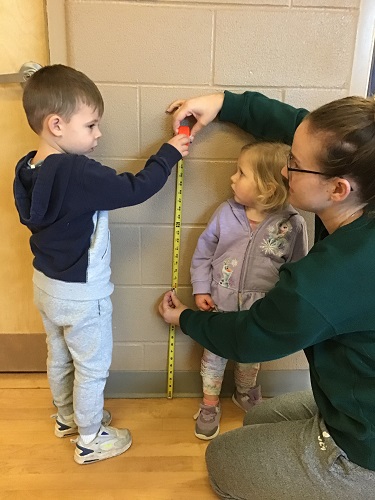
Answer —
(175, 261)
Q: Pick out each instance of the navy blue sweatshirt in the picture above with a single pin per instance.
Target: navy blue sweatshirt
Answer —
(64, 203)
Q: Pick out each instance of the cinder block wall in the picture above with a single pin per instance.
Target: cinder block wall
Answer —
(145, 55)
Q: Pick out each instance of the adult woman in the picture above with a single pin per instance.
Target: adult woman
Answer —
(320, 446)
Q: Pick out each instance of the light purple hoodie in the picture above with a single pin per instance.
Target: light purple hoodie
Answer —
(237, 265)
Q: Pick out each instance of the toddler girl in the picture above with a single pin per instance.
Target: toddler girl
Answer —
(237, 260)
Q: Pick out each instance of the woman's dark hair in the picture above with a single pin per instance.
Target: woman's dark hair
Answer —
(347, 129)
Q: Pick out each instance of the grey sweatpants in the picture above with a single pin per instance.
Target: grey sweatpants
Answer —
(284, 452)
(79, 341)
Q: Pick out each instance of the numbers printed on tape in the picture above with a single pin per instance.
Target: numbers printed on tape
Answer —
(176, 256)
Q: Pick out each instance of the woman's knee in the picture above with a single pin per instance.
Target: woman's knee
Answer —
(232, 459)
(290, 406)
(221, 462)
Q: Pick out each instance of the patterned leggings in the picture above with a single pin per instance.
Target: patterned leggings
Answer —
(212, 372)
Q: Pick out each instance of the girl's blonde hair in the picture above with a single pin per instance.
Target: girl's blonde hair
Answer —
(267, 160)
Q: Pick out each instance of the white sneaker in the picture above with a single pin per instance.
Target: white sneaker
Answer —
(108, 443)
(66, 429)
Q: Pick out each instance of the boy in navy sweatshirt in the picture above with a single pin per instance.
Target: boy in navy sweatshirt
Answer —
(63, 197)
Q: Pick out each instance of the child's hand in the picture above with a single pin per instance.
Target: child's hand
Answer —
(181, 143)
(204, 302)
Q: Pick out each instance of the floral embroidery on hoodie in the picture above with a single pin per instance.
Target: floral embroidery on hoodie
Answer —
(276, 243)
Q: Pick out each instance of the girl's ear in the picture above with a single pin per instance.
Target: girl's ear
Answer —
(54, 124)
(341, 189)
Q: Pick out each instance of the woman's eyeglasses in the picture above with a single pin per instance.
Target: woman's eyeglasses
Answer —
(290, 159)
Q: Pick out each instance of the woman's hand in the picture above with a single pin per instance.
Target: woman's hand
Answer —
(204, 108)
(170, 308)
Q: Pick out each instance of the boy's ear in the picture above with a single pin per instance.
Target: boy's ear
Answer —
(54, 124)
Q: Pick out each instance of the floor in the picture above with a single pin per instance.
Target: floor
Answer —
(165, 462)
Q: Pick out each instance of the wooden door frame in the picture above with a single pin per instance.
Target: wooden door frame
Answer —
(22, 339)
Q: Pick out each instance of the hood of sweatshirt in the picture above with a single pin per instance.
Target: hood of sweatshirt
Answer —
(39, 192)
(238, 211)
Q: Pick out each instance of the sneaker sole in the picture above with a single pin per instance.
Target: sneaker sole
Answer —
(62, 434)
(238, 404)
(207, 438)
(73, 431)
(113, 453)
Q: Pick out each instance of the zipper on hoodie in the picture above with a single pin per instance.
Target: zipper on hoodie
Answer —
(246, 258)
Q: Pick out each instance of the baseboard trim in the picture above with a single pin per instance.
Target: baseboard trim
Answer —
(28, 353)
(153, 384)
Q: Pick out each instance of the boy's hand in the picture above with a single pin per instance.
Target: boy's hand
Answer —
(181, 143)
(204, 109)
(204, 302)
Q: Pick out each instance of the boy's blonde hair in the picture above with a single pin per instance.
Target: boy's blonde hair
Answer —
(59, 90)
(267, 160)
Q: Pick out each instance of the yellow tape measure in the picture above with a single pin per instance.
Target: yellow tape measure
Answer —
(175, 262)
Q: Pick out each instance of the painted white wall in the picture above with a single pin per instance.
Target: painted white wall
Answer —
(143, 55)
